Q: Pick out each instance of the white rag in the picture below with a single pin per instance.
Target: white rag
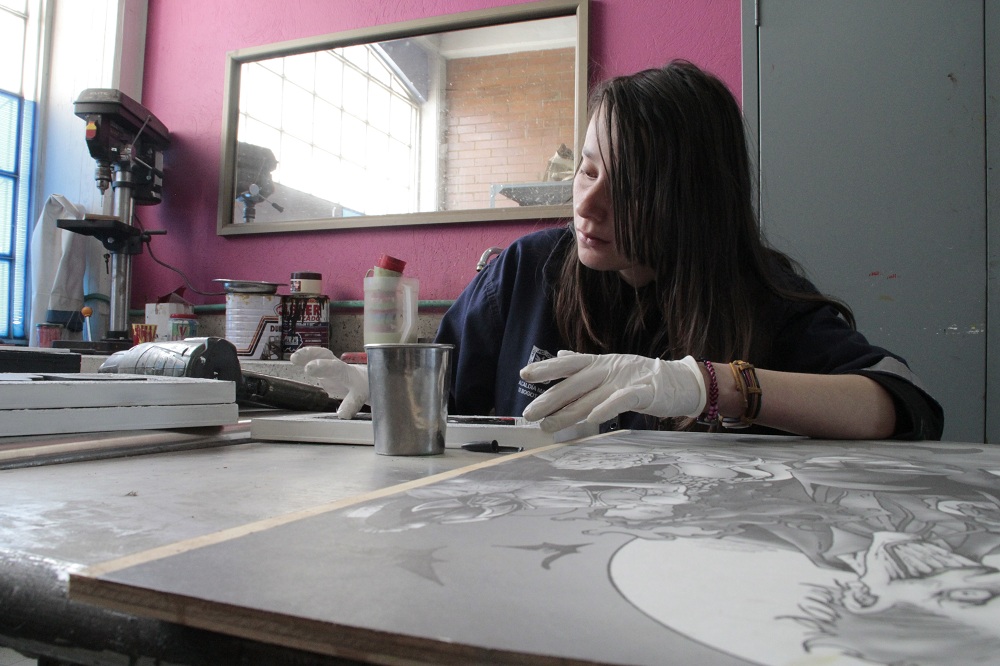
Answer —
(67, 271)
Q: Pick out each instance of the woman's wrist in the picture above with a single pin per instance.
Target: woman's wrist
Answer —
(731, 403)
(730, 398)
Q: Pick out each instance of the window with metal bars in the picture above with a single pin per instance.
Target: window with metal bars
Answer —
(17, 118)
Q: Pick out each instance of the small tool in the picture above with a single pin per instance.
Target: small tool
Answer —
(491, 446)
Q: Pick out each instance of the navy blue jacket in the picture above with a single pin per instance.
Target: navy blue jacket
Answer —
(504, 319)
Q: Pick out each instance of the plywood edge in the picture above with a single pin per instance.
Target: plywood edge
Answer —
(300, 633)
(70, 420)
(328, 429)
(57, 390)
(139, 442)
(160, 552)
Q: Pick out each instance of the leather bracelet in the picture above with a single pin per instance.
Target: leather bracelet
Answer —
(747, 384)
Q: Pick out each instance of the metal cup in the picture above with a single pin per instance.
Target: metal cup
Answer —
(408, 392)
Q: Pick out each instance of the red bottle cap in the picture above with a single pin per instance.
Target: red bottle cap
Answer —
(391, 263)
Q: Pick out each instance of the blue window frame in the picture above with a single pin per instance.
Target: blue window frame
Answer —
(17, 120)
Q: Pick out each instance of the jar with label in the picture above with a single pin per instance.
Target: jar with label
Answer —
(183, 325)
(48, 333)
(303, 283)
(305, 322)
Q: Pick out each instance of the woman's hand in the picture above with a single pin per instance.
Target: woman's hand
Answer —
(598, 387)
(339, 379)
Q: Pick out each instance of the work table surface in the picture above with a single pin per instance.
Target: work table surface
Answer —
(90, 511)
(626, 548)
(58, 517)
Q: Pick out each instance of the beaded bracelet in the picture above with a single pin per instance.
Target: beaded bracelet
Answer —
(711, 418)
(749, 387)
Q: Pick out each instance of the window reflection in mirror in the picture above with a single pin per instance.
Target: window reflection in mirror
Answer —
(462, 120)
(327, 134)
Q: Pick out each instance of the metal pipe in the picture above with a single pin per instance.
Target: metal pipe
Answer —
(483, 260)
(121, 262)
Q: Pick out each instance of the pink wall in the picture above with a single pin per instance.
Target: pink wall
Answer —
(187, 42)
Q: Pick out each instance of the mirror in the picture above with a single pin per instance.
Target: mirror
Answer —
(462, 118)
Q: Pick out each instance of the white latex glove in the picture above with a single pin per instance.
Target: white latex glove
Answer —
(598, 387)
(346, 381)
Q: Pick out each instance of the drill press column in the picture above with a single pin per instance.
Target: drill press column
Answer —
(121, 262)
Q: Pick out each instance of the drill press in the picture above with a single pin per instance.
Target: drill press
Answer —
(127, 141)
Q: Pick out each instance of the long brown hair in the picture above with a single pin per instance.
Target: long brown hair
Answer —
(682, 196)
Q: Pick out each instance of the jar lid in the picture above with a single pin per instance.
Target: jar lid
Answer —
(183, 315)
(391, 263)
(307, 276)
(247, 286)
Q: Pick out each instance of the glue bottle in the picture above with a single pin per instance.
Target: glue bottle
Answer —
(390, 303)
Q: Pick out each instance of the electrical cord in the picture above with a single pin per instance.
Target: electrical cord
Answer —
(179, 272)
(190, 286)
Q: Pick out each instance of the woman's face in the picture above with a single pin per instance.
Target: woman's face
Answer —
(593, 216)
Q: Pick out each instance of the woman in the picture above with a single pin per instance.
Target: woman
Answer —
(664, 264)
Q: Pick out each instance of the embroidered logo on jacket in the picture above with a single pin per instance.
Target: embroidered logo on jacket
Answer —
(529, 389)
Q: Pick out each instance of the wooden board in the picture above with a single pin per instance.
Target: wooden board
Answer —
(76, 447)
(18, 422)
(631, 548)
(92, 389)
(328, 429)
(38, 359)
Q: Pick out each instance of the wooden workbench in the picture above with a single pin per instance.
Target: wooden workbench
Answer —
(118, 493)
(634, 548)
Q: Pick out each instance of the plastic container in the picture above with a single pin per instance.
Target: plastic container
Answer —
(390, 312)
(48, 333)
(183, 326)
